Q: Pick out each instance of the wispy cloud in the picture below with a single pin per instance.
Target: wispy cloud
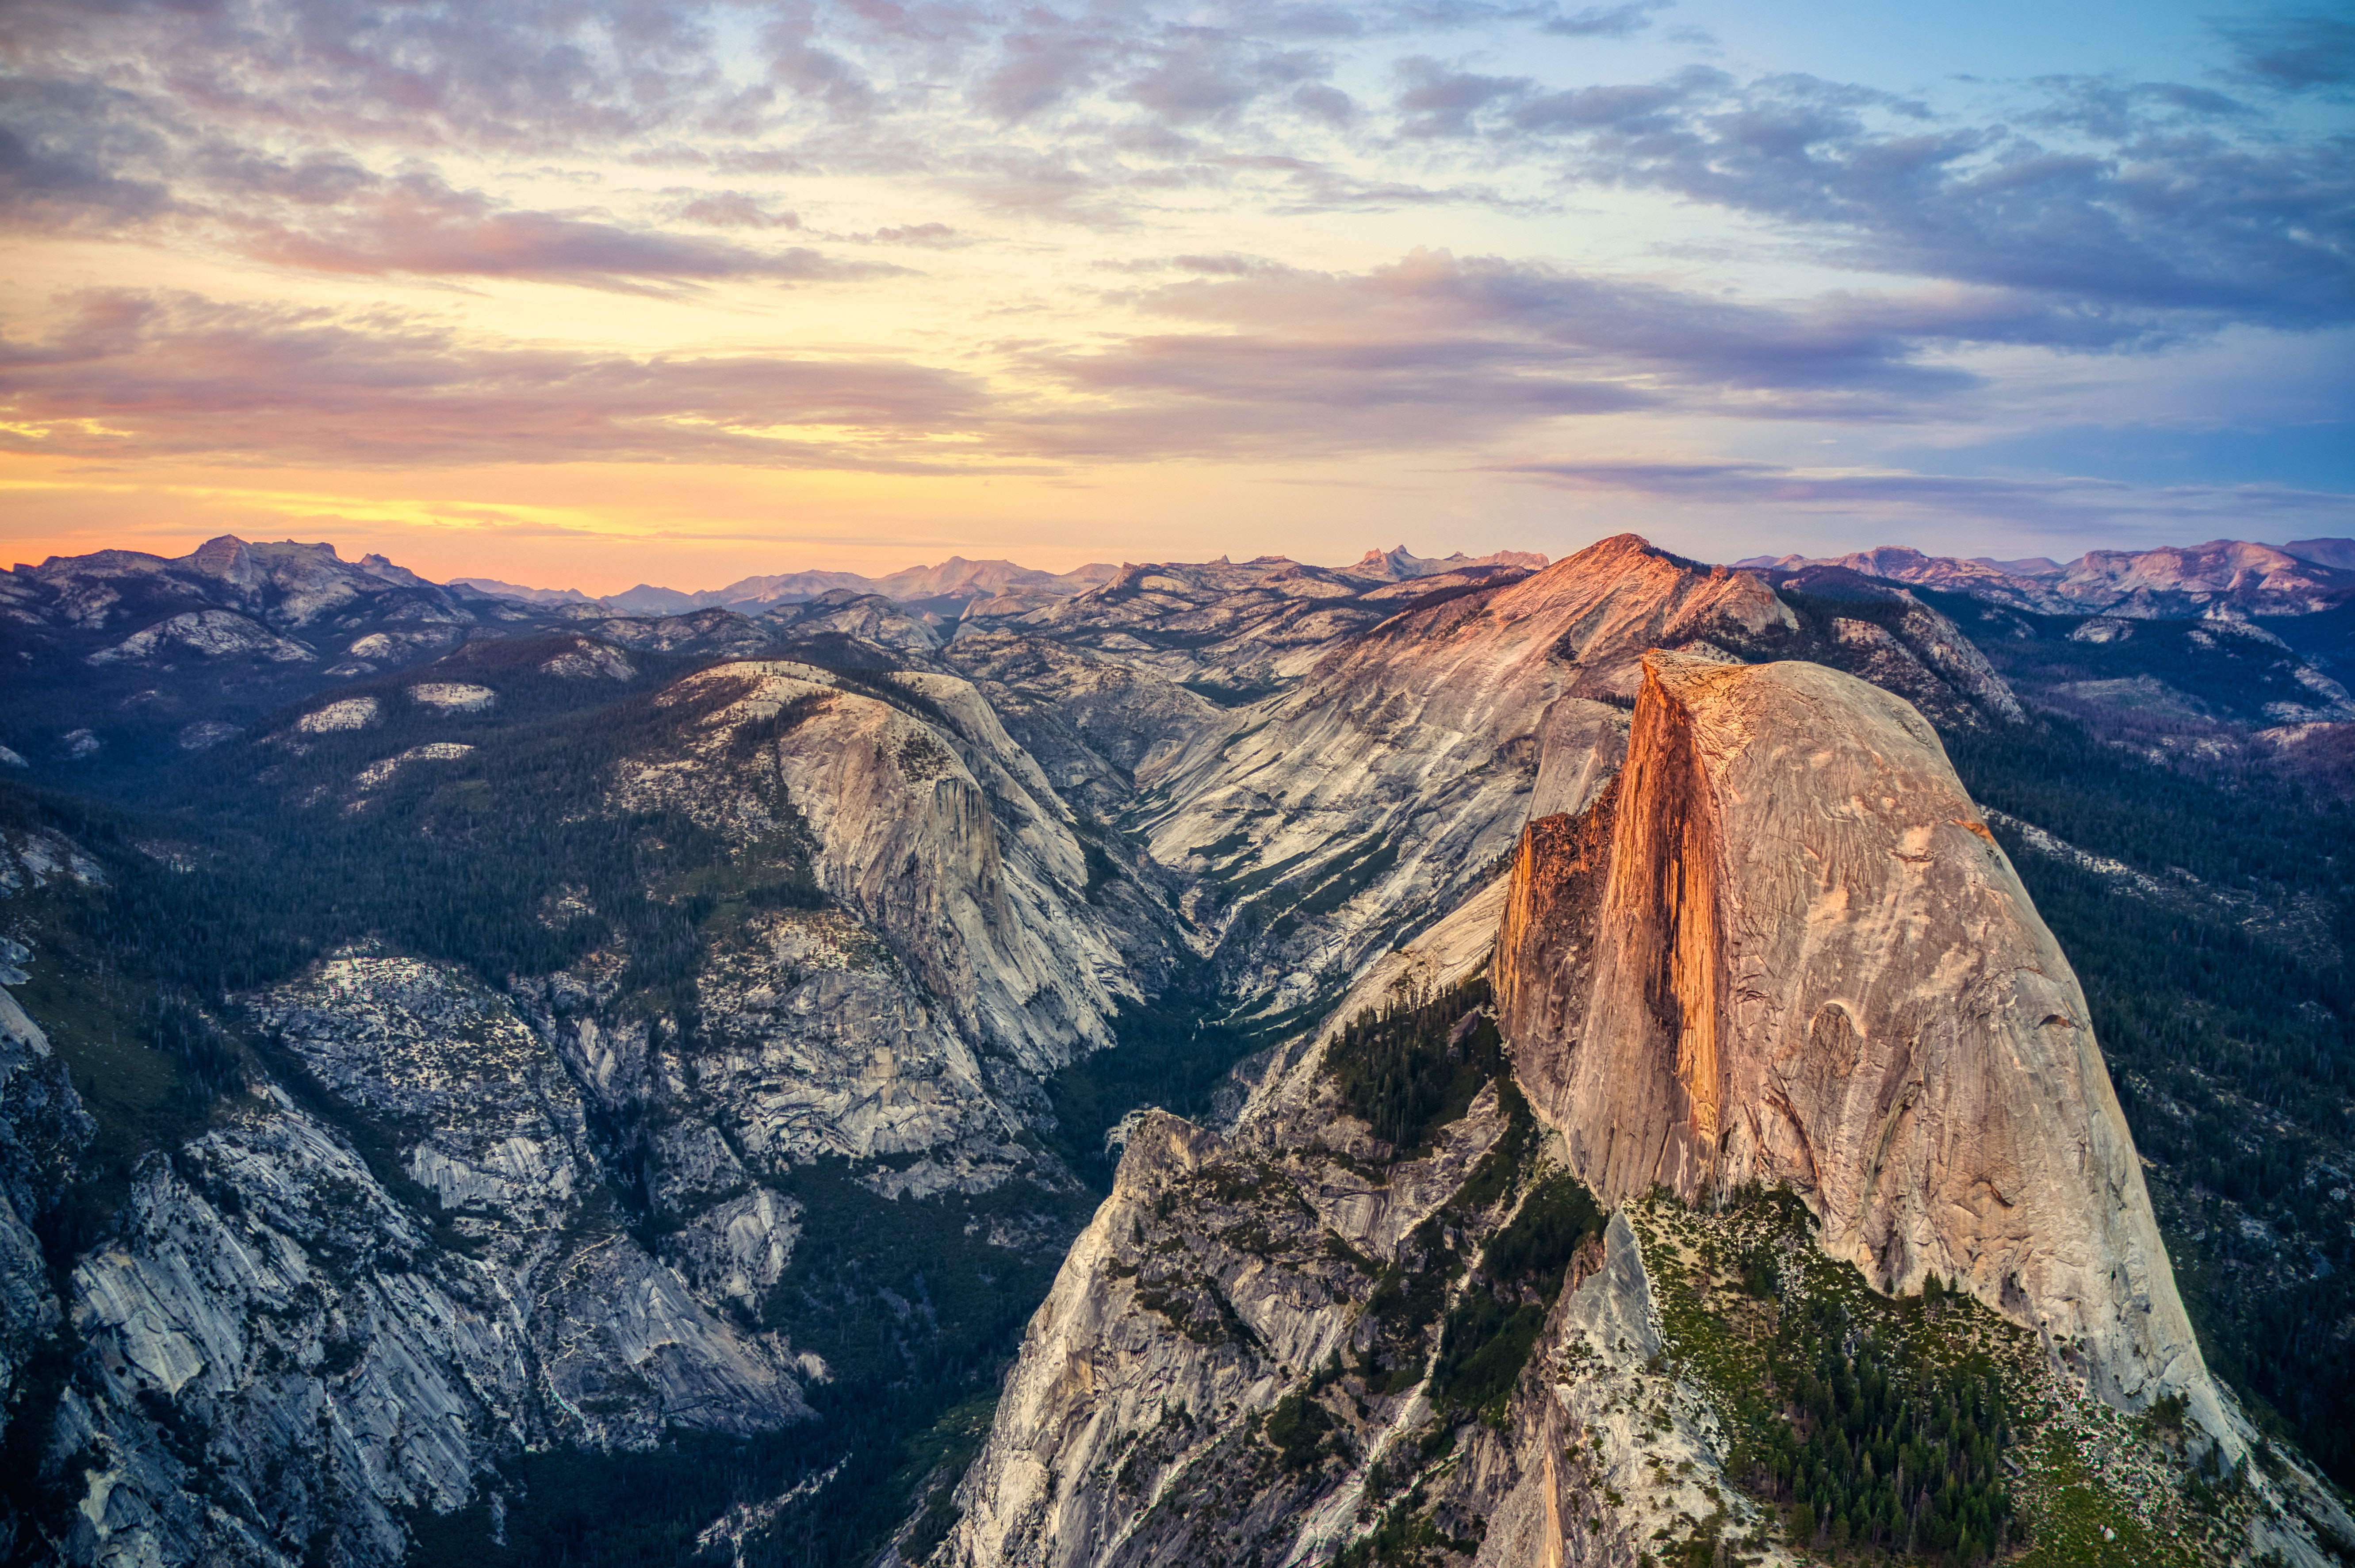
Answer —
(2300, 53)
(2102, 194)
(142, 375)
(419, 226)
(2156, 202)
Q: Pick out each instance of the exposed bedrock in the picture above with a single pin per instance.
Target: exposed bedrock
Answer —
(1783, 947)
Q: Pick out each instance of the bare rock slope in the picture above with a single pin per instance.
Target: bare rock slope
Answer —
(1377, 791)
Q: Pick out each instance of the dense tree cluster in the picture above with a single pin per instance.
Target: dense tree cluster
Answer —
(1411, 1067)
(1881, 1451)
(1491, 1330)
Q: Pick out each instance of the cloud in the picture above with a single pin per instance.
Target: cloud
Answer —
(1197, 74)
(2152, 203)
(1857, 342)
(45, 187)
(384, 139)
(734, 210)
(1434, 101)
(2103, 194)
(1194, 394)
(421, 227)
(812, 72)
(1269, 361)
(1606, 22)
(935, 236)
(1323, 101)
(139, 375)
(1296, 187)
(2062, 504)
(1434, 351)
(1039, 70)
(2298, 53)
(536, 74)
(74, 156)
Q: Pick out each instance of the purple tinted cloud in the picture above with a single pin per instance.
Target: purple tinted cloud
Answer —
(734, 210)
(2166, 209)
(1605, 21)
(1860, 342)
(2103, 196)
(1433, 100)
(419, 226)
(132, 374)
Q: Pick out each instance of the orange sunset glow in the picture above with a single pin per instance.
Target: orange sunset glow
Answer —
(685, 293)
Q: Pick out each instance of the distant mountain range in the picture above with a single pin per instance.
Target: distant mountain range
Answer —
(956, 581)
(2299, 578)
(2232, 575)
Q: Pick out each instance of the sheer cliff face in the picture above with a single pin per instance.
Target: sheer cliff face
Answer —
(1783, 947)
(1396, 773)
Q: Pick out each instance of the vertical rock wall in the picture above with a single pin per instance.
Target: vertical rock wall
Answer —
(1785, 948)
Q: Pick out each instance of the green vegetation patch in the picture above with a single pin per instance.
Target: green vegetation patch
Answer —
(917, 1292)
(1405, 1538)
(1493, 1328)
(1923, 1428)
(1173, 1052)
(1410, 1069)
(1298, 1427)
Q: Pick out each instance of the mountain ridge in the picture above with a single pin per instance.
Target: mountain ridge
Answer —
(2222, 577)
(761, 1000)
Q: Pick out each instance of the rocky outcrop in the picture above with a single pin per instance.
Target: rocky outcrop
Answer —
(1235, 630)
(1756, 935)
(456, 1220)
(319, 1357)
(932, 826)
(1754, 931)
(1093, 720)
(1221, 1271)
(42, 1128)
(492, 1125)
(1785, 947)
(1591, 1472)
(205, 634)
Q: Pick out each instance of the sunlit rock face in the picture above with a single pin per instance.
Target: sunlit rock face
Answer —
(1785, 948)
(1388, 784)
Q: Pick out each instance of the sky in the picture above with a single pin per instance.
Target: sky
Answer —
(582, 293)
